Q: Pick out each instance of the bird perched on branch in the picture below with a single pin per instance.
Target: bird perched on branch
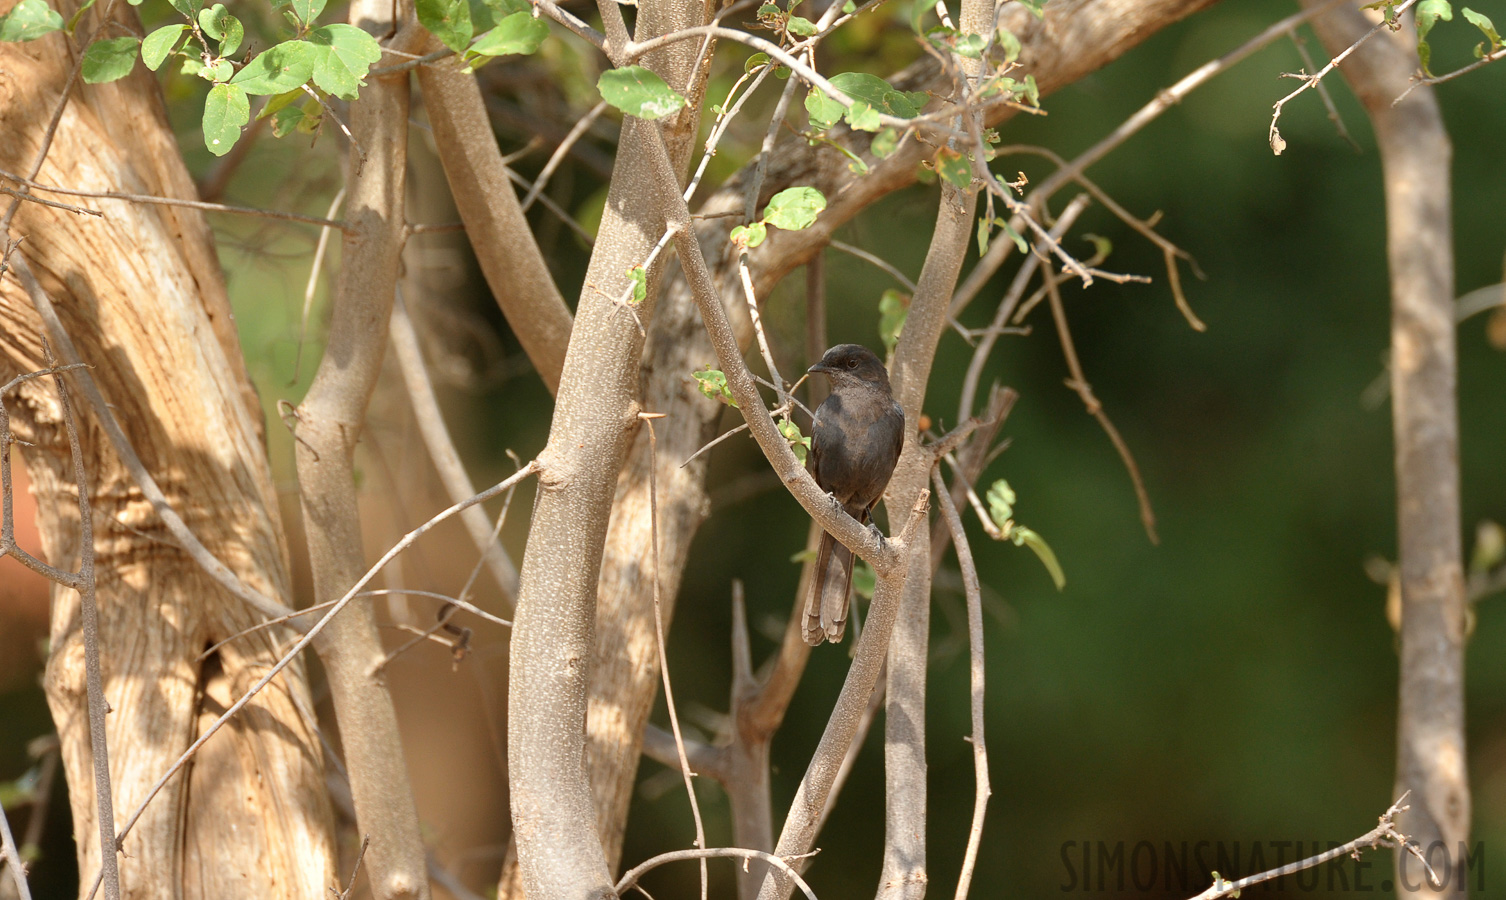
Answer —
(855, 441)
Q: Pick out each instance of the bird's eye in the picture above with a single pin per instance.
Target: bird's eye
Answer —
(852, 364)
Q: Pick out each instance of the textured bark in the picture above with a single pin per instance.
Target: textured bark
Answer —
(141, 293)
(1076, 38)
(329, 424)
(1415, 154)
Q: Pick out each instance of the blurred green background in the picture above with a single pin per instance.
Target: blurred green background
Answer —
(1236, 683)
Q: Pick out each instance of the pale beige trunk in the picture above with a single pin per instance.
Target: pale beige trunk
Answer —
(142, 295)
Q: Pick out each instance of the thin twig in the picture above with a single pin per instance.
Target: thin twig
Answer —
(13, 857)
(669, 697)
(151, 199)
(975, 674)
(68, 207)
(313, 283)
(1308, 81)
(355, 870)
(558, 156)
(630, 878)
(1485, 60)
(1079, 383)
(882, 263)
(1327, 98)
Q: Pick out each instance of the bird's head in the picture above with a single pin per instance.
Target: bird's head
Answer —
(851, 363)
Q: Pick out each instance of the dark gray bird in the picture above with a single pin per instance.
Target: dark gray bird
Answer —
(855, 442)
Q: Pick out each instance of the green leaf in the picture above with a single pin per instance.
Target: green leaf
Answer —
(1028, 538)
(918, 12)
(1486, 27)
(639, 279)
(1010, 43)
(984, 231)
(638, 92)
(487, 14)
(280, 102)
(754, 61)
(342, 56)
(1035, 6)
(879, 94)
(751, 235)
(219, 70)
(1009, 232)
(1102, 246)
(894, 308)
(1000, 499)
(448, 20)
(801, 26)
(849, 8)
(191, 66)
(226, 109)
(109, 60)
(823, 111)
(864, 580)
(278, 69)
(970, 46)
(1490, 547)
(713, 383)
(794, 208)
(954, 167)
(189, 8)
(1428, 14)
(769, 9)
(29, 20)
(519, 33)
(885, 143)
(799, 443)
(1032, 91)
(862, 117)
(159, 44)
(307, 10)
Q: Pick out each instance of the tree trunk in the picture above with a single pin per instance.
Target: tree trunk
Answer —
(141, 294)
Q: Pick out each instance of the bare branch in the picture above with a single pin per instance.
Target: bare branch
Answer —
(13, 858)
(630, 878)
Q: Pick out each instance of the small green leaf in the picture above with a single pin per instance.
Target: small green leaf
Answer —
(1000, 499)
(754, 61)
(1032, 91)
(638, 92)
(280, 102)
(794, 208)
(191, 66)
(885, 143)
(1486, 27)
(822, 110)
(1429, 12)
(307, 10)
(342, 55)
(189, 8)
(750, 235)
(448, 20)
(1490, 547)
(799, 443)
(278, 69)
(219, 70)
(984, 231)
(1035, 6)
(769, 9)
(894, 308)
(849, 8)
(713, 383)
(29, 20)
(970, 46)
(879, 94)
(293, 118)
(954, 167)
(1010, 43)
(519, 33)
(159, 44)
(801, 26)
(1102, 246)
(918, 12)
(235, 32)
(109, 60)
(1024, 536)
(864, 580)
(1009, 232)
(639, 279)
(862, 117)
(226, 109)
(487, 14)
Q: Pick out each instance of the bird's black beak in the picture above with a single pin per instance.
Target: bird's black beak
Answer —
(818, 367)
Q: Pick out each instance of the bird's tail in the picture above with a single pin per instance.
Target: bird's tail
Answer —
(826, 607)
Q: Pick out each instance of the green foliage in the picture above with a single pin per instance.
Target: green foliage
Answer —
(862, 117)
(894, 308)
(879, 94)
(1429, 12)
(157, 45)
(638, 92)
(823, 111)
(109, 60)
(488, 14)
(226, 110)
(955, 167)
(448, 20)
(306, 11)
(639, 279)
(519, 33)
(713, 383)
(1487, 28)
(884, 143)
(794, 209)
(1001, 499)
(800, 26)
(342, 55)
(29, 20)
(217, 22)
(278, 69)
(750, 235)
(1010, 45)
(799, 443)
(1036, 7)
